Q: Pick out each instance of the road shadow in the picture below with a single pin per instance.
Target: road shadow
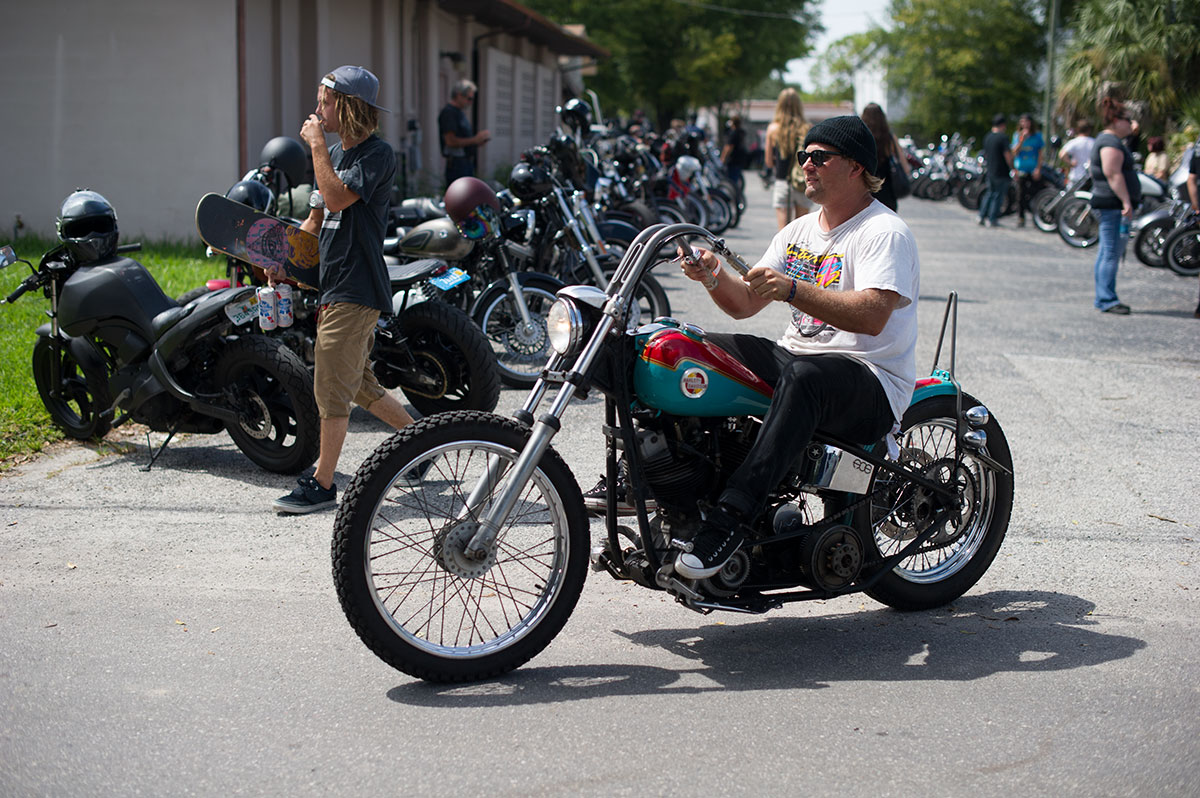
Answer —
(976, 637)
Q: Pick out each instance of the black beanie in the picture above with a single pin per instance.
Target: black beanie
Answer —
(849, 136)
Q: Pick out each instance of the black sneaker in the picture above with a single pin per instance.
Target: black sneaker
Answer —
(719, 537)
(308, 497)
(596, 499)
(415, 475)
(1119, 309)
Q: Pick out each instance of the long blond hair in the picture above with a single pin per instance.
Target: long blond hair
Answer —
(790, 122)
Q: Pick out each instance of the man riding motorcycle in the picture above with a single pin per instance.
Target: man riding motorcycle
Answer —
(845, 363)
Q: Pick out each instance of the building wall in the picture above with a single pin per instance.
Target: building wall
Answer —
(142, 100)
(96, 96)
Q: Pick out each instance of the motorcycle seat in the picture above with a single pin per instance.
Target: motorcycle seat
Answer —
(404, 274)
(416, 210)
(166, 320)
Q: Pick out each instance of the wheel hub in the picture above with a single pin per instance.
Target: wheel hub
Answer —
(528, 338)
(254, 417)
(450, 551)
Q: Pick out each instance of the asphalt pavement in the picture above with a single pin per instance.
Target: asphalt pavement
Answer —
(165, 633)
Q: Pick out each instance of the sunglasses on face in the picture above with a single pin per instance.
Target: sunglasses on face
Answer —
(819, 157)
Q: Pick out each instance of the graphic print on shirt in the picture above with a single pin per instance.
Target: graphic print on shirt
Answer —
(823, 270)
(333, 221)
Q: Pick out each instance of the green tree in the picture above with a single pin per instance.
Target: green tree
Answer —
(833, 76)
(1152, 46)
(672, 56)
(962, 61)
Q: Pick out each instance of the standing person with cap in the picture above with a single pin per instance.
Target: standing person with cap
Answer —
(849, 274)
(349, 213)
(459, 144)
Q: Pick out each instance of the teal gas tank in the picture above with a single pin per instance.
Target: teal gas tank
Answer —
(679, 371)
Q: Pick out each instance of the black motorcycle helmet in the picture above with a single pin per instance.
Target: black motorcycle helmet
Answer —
(529, 182)
(252, 193)
(288, 156)
(473, 207)
(87, 224)
(566, 152)
(576, 114)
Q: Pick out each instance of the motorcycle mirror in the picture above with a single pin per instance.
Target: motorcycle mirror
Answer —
(7, 257)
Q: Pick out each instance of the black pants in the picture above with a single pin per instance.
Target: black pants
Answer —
(834, 393)
(1027, 187)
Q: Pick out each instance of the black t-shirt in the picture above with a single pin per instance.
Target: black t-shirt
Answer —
(737, 142)
(352, 266)
(994, 146)
(1103, 196)
(453, 120)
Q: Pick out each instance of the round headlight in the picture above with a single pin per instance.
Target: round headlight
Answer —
(564, 323)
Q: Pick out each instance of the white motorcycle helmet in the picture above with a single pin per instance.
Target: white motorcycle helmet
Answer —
(688, 166)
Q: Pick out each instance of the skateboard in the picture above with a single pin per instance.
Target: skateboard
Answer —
(267, 242)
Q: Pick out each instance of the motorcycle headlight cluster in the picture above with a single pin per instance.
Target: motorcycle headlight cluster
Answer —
(573, 316)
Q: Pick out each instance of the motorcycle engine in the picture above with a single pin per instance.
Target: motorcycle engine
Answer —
(687, 458)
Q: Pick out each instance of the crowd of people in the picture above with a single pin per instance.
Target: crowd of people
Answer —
(845, 361)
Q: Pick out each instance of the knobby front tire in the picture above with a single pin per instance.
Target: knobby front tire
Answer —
(404, 585)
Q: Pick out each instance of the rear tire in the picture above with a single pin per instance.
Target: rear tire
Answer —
(1045, 220)
(1150, 243)
(969, 539)
(451, 367)
(279, 428)
(1077, 224)
(1181, 250)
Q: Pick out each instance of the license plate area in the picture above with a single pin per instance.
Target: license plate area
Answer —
(243, 311)
(450, 278)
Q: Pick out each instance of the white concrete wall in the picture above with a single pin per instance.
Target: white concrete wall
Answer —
(138, 99)
(97, 96)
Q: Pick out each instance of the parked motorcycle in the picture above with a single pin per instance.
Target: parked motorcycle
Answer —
(496, 536)
(1150, 230)
(426, 347)
(1048, 203)
(507, 303)
(1181, 249)
(117, 349)
(1079, 225)
(567, 240)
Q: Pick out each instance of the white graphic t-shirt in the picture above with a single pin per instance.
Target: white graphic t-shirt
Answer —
(873, 249)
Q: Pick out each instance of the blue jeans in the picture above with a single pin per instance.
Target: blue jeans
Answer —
(1108, 257)
(991, 203)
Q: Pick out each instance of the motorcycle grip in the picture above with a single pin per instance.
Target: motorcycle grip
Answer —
(21, 289)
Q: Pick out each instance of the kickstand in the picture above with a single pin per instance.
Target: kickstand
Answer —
(161, 449)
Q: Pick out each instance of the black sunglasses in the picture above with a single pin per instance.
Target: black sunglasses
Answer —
(819, 157)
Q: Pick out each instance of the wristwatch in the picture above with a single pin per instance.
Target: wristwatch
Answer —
(315, 200)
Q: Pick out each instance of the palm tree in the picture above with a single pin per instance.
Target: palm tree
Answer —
(1152, 46)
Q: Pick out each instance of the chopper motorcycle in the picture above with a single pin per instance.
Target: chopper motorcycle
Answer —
(117, 349)
(474, 571)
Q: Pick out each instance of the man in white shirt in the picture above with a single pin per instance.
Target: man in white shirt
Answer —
(845, 363)
(1077, 153)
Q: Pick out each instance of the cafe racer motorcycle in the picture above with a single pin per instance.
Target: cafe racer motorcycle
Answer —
(474, 571)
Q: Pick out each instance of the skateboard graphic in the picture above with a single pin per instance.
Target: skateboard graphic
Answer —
(264, 241)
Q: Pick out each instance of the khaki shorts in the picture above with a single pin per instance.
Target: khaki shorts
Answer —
(342, 359)
(779, 196)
